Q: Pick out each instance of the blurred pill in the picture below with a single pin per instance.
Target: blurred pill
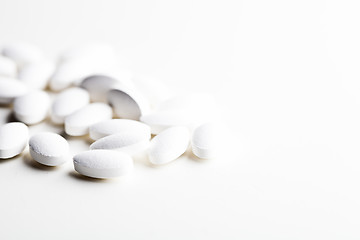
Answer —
(13, 139)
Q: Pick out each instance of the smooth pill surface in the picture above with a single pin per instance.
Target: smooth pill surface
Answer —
(8, 67)
(127, 142)
(10, 89)
(103, 163)
(204, 141)
(36, 75)
(113, 126)
(13, 139)
(23, 53)
(99, 85)
(67, 73)
(128, 103)
(78, 123)
(68, 102)
(32, 107)
(168, 145)
(75, 70)
(49, 149)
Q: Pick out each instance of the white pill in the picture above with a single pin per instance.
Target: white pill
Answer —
(130, 142)
(10, 89)
(99, 85)
(159, 121)
(78, 123)
(204, 141)
(23, 53)
(37, 74)
(113, 126)
(103, 163)
(75, 70)
(128, 103)
(168, 145)
(13, 139)
(8, 67)
(49, 149)
(68, 102)
(32, 107)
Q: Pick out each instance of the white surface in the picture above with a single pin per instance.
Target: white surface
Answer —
(289, 71)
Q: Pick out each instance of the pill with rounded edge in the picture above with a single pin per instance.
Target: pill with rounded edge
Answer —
(68, 102)
(8, 67)
(130, 142)
(49, 148)
(75, 70)
(127, 102)
(103, 163)
(168, 145)
(99, 85)
(113, 126)
(32, 107)
(78, 123)
(204, 141)
(10, 89)
(13, 139)
(23, 53)
(37, 74)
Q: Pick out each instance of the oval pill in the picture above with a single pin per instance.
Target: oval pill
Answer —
(127, 103)
(13, 139)
(168, 145)
(36, 75)
(8, 67)
(127, 142)
(49, 149)
(113, 126)
(32, 107)
(75, 70)
(204, 141)
(23, 53)
(67, 73)
(103, 163)
(99, 85)
(68, 102)
(78, 123)
(10, 89)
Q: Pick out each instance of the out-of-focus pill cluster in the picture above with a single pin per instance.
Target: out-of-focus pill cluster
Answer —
(123, 114)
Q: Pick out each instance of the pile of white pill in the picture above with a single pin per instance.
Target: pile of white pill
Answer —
(122, 114)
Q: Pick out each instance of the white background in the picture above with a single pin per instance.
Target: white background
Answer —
(287, 75)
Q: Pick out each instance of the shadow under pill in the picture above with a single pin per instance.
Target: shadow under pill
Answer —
(80, 177)
(10, 159)
(30, 162)
(142, 160)
(190, 155)
(86, 137)
(11, 118)
(64, 134)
